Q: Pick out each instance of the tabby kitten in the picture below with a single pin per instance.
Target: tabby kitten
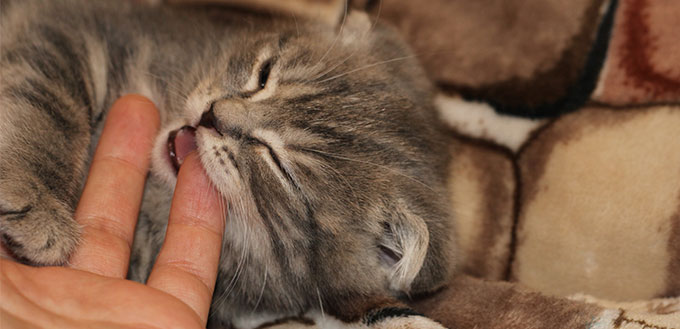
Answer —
(322, 139)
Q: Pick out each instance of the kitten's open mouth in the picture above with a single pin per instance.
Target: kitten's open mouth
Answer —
(180, 143)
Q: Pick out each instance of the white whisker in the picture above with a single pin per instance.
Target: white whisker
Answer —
(224, 211)
(340, 157)
(264, 284)
(318, 294)
(363, 37)
(337, 37)
(170, 87)
(368, 66)
(297, 28)
(243, 258)
(340, 176)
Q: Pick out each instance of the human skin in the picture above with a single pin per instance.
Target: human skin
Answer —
(92, 291)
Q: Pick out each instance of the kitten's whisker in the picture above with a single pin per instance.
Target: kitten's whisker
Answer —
(232, 284)
(156, 76)
(340, 157)
(170, 88)
(297, 28)
(396, 59)
(339, 34)
(239, 265)
(377, 16)
(222, 203)
(325, 167)
(264, 284)
(368, 66)
(329, 170)
(224, 211)
(318, 294)
(224, 295)
(342, 177)
(363, 37)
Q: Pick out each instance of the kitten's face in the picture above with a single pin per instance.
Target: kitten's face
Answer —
(325, 148)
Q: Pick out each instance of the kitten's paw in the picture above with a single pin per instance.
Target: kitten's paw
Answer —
(38, 233)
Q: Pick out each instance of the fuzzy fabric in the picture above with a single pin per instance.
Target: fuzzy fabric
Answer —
(565, 130)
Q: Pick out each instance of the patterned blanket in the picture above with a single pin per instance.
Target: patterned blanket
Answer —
(565, 126)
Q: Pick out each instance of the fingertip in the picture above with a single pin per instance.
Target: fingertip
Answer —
(138, 109)
(130, 130)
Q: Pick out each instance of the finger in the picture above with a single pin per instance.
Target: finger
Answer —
(186, 266)
(109, 206)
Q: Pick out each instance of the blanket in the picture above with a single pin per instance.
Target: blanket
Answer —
(564, 122)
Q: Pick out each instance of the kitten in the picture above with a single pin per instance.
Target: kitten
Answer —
(322, 139)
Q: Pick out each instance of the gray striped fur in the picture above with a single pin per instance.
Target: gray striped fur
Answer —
(333, 173)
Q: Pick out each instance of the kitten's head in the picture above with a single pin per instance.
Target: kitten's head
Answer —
(324, 143)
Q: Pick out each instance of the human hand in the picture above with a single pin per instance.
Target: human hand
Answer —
(93, 292)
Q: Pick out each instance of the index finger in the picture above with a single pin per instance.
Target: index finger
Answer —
(186, 266)
(109, 206)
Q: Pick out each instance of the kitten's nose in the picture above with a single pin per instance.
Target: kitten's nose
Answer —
(230, 117)
(234, 114)
(208, 119)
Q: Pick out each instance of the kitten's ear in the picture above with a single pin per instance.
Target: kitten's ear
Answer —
(353, 26)
(403, 247)
(354, 20)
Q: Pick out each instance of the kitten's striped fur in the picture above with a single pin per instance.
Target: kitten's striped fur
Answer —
(333, 170)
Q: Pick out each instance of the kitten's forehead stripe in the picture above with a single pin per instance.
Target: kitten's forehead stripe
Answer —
(240, 65)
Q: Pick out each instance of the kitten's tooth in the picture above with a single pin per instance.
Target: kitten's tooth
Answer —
(184, 142)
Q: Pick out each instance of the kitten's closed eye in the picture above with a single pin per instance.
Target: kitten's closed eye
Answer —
(265, 69)
(262, 82)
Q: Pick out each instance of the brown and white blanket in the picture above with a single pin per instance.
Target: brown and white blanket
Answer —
(565, 124)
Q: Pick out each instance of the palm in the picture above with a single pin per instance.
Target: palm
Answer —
(90, 299)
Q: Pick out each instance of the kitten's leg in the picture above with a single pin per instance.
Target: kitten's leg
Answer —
(46, 107)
